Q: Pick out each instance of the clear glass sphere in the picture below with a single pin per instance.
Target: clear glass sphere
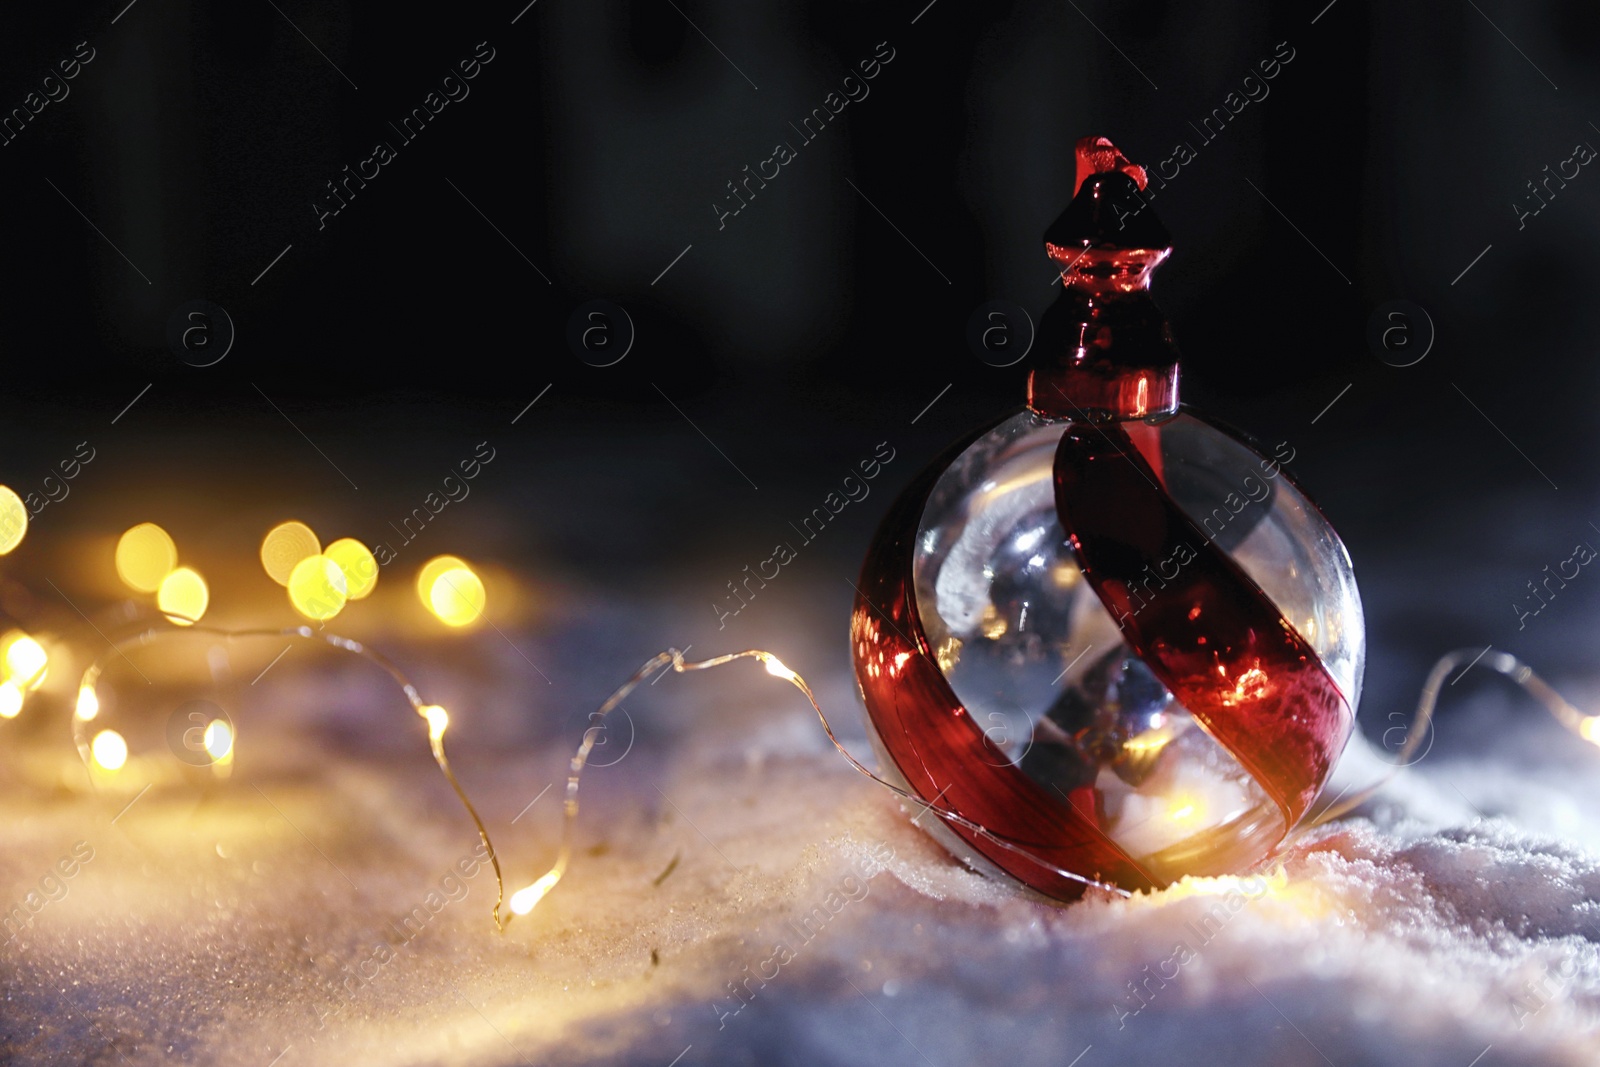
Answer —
(1041, 667)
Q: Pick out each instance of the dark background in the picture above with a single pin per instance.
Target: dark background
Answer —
(822, 319)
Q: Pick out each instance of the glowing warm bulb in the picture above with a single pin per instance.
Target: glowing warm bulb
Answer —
(317, 588)
(1183, 811)
(25, 661)
(359, 567)
(1589, 729)
(430, 573)
(776, 668)
(145, 555)
(523, 900)
(109, 749)
(10, 700)
(285, 545)
(219, 739)
(13, 520)
(457, 597)
(438, 720)
(88, 704)
(183, 596)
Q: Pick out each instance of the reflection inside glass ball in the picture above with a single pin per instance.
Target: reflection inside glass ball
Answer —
(1158, 779)
(1041, 666)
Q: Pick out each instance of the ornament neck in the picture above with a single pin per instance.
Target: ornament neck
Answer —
(1105, 351)
(1107, 355)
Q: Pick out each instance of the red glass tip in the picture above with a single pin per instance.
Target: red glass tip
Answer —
(1097, 155)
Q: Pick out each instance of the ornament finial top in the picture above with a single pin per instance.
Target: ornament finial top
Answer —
(1104, 349)
(1108, 239)
(1097, 155)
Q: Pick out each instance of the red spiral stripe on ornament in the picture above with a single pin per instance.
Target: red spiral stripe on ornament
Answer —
(937, 747)
(1209, 633)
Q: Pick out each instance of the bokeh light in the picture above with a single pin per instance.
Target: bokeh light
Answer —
(359, 566)
(430, 573)
(317, 588)
(88, 704)
(109, 749)
(457, 597)
(145, 555)
(13, 519)
(24, 660)
(219, 739)
(183, 596)
(10, 699)
(285, 547)
(1589, 729)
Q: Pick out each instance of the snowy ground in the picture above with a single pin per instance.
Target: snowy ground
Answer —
(265, 920)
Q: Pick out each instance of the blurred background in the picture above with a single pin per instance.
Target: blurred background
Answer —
(366, 351)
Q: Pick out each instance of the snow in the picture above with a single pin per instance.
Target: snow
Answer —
(741, 896)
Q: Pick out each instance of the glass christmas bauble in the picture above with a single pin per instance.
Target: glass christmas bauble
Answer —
(1115, 635)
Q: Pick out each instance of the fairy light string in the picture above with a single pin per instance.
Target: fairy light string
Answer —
(525, 899)
(1503, 663)
(107, 748)
(87, 710)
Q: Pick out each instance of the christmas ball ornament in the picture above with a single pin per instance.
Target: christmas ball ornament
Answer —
(1112, 634)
